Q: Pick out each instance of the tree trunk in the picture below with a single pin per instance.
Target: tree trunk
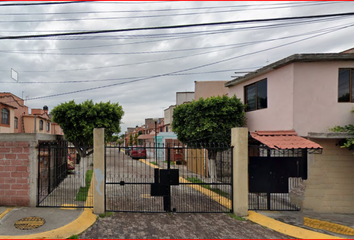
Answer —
(212, 164)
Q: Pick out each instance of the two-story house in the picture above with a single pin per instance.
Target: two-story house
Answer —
(308, 94)
(15, 117)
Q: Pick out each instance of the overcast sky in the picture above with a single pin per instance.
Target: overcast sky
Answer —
(143, 70)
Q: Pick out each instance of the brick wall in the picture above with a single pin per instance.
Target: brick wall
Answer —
(330, 184)
(14, 173)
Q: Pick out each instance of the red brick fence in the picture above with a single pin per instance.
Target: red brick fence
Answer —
(19, 168)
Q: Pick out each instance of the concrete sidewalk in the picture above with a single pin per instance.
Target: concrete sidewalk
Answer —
(43, 223)
(56, 223)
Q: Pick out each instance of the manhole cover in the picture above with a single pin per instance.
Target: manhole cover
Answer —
(29, 223)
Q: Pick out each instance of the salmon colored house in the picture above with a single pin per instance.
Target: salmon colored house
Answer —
(306, 95)
(16, 119)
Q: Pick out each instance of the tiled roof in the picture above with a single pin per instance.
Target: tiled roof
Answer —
(284, 140)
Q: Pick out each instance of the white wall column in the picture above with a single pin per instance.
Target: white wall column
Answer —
(239, 139)
(98, 171)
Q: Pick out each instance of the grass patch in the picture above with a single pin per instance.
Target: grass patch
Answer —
(106, 214)
(153, 163)
(236, 217)
(207, 186)
(83, 191)
(172, 163)
(73, 237)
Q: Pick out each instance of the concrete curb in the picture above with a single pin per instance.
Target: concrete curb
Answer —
(79, 225)
(329, 226)
(5, 212)
(287, 229)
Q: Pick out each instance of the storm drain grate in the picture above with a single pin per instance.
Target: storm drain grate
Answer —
(29, 223)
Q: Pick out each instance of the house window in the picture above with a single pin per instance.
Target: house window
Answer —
(41, 125)
(346, 85)
(256, 95)
(48, 126)
(166, 129)
(5, 116)
(16, 123)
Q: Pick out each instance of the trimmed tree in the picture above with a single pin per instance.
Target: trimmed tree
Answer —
(208, 121)
(79, 120)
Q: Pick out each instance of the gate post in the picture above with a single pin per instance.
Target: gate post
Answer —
(239, 139)
(98, 171)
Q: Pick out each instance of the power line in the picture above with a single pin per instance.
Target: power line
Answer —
(175, 26)
(36, 4)
(61, 3)
(180, 71)
(230, 46)
(273, 6)
(127, 17)
(192, 34)
(132, 78)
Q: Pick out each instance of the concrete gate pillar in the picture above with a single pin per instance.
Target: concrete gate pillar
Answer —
(98, 171)
(239, 139)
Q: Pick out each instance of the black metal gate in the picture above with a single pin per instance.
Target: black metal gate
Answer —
(171, 178)
(63, 179)
(272, 175)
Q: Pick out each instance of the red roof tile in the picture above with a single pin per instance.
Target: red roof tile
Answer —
(283, 140)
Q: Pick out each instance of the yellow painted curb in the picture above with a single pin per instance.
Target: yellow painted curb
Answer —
(287, 229)
(325, 225)
(5, 212)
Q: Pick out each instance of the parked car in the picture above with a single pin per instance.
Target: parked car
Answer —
(71, 165)
(138, 152)
(127, 150)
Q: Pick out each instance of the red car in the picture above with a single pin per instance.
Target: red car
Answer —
(138, 152)
(71, 165)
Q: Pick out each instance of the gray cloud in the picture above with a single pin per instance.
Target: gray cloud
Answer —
(38, 60)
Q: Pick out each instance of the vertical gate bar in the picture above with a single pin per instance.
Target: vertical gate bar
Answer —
(49, 175)
(39, 173)
(168, 158)
(168, 198)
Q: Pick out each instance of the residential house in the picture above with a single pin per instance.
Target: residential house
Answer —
(15, 117)
(168, 118)
(183, 97)
(307, 93)
(207, 89)
(12, 111)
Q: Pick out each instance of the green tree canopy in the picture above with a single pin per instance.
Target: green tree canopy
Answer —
(208, 120)
(79, 120)
(349, 142)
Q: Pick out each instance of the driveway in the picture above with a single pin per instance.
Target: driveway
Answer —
(177, 226)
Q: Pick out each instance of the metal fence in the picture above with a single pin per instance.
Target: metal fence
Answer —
(169, 178)
(275, 178)
(64, 178)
